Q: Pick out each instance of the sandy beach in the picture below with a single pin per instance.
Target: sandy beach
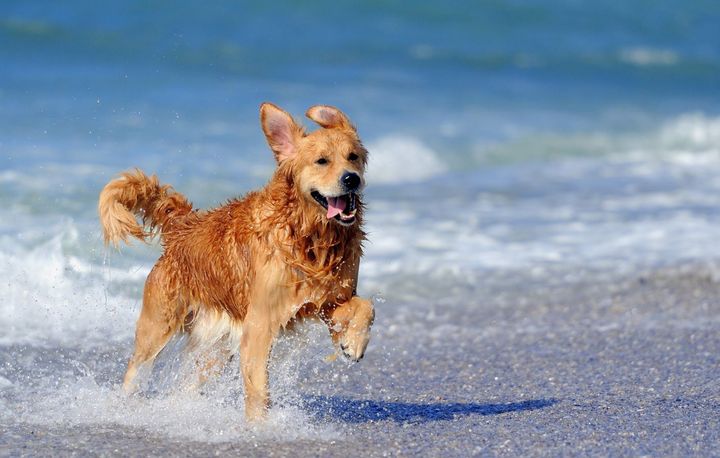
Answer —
(623, 367)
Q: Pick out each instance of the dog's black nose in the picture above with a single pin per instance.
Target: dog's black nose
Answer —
(351, 181)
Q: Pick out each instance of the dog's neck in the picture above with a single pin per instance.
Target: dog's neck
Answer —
(313, 244)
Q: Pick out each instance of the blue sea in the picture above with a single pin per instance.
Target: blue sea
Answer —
(512, 144)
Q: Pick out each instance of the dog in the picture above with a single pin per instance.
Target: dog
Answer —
(235, 276)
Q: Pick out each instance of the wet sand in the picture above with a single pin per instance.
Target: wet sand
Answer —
(601, 366)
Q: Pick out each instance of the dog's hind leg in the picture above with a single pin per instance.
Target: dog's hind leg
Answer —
(255, 347)
(160, 318)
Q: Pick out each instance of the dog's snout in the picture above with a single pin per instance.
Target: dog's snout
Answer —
(351, 181)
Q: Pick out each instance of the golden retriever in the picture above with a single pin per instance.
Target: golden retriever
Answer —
(233, 277)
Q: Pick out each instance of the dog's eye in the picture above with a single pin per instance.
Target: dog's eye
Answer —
(353, 157)
(321, 161)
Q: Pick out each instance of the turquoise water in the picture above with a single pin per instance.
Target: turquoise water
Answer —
(512, 144)
(179, 81)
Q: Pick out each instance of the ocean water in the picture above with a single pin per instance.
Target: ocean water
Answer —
(513, 144)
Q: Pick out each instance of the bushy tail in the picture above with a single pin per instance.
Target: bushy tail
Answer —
(134, 193)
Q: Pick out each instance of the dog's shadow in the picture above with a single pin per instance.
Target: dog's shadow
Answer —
(363, 410)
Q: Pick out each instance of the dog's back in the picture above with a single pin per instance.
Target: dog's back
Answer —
(208, 256)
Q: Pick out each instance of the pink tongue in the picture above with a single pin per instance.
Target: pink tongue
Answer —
(336, 205)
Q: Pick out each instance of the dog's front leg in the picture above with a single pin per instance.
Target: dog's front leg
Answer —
(349, 325)
(254, 354)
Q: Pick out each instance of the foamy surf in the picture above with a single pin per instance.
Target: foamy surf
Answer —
(181, 415)
(401, 158)
(67, 387)
(54, 296)
(684, 137)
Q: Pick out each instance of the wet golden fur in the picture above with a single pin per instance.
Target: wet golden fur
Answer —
(236, 275)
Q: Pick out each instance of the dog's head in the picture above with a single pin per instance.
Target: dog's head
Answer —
(327, 165)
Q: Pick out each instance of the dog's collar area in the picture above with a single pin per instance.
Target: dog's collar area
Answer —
(344, 207)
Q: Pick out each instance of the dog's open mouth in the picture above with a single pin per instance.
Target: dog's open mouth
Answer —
(341, 208)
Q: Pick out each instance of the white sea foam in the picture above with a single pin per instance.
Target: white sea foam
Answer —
(689, 137)
(5, 383)
(397, 159)
(168, 407)
(686, 139)
(51, 296)
(69, 388)
(644, 56)
(642, 199)
(214, 417)
(694, 131)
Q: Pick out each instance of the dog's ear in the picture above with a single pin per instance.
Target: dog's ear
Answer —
(280, 130)
(329, 117)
